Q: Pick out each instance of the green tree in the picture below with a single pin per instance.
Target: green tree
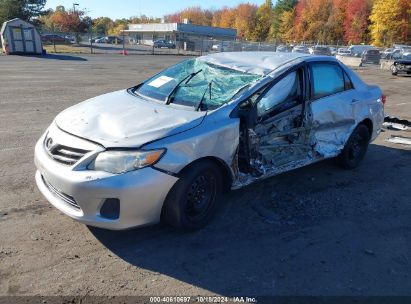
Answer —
(24, 9)
(263, 21)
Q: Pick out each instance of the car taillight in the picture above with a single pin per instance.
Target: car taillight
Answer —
(383, 99)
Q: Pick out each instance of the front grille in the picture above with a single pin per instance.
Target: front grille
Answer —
(65, 197)
(66, 155)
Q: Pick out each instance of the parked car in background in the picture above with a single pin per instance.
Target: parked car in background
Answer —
(300, 49)
(167, 44)
(93, 40)
(284, 48)
(402, 66)
(168, 147)
(109, 40)
(371, 56)
(54, 39)
(333, 50)
(320, 50)
(357, 50)
(70, 38)
(391, 53)
(343, 52)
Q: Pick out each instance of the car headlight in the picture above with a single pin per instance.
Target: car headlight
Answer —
(123, 161)
(400, 66)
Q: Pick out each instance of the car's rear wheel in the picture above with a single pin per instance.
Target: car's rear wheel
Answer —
(355, 148)
(192, 201)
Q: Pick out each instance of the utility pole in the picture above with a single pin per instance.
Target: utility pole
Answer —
(74, 13)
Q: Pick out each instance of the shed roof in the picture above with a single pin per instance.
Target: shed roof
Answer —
(8, 22)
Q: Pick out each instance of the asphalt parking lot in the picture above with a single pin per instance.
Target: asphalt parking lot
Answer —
(319, 230)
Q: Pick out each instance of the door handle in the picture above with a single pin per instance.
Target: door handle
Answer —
(354, 100)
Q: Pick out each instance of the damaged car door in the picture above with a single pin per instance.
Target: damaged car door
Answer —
(278, 135)
(331, 102)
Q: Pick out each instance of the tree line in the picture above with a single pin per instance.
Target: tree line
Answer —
(380, 22)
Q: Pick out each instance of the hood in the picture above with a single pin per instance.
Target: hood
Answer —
(120, 119)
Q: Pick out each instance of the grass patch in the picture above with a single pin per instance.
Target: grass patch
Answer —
(62, 48)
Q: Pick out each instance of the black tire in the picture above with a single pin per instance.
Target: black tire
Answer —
(192, 201)
(355, 148)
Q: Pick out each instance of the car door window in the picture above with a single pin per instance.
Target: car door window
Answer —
(284, 95)
(328, 79)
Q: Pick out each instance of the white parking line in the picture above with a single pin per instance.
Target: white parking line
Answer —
(400, 104)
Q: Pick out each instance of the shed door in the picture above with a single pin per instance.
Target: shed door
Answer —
(16, 39)
(28, 35)
(22, 39)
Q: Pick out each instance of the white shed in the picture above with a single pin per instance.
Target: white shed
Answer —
(20, 37)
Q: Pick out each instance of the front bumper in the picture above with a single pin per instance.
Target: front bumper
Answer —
(141, 193)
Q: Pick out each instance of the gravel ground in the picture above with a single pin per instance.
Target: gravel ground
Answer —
(319, 230)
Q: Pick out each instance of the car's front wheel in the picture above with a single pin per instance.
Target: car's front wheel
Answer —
(355, 148)
(192, 201)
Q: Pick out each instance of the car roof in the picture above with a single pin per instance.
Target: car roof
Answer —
(260, 63)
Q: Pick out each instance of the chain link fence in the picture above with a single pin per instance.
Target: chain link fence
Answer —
(86, 43)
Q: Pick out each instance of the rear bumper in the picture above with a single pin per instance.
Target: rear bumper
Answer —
(141, 193)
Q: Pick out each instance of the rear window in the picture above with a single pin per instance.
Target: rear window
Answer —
(328, 79)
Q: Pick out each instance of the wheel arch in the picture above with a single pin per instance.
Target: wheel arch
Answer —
(225, 170)
(368, 123)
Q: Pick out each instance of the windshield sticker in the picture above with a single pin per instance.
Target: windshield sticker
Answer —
(160, 81)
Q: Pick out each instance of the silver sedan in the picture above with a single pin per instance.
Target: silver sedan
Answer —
(167, 148)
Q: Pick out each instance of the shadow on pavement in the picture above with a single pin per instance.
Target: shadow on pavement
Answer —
(336, 240)
(61, 57)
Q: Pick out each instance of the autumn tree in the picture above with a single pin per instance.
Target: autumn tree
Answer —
(300, 22)
(263, 21)
(356, 21)
(286, 26)
(225, 18)
(245, 15)
(195, 13)
(118, 27)
(67, 21)
(102, 25)
(390, 22)
(335, 22)
(281, 20)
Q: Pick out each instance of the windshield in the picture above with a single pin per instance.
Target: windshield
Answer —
(213, 85)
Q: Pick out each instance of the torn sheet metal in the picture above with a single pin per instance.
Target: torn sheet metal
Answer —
(397, 120)
(400, 140)
(394, 126)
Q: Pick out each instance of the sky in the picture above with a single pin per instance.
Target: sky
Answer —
(152, 8)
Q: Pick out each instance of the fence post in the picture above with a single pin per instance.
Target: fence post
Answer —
(91, 41)
(124, 45)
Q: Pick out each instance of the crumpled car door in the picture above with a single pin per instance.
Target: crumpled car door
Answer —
(281, 135)
(332, 101)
